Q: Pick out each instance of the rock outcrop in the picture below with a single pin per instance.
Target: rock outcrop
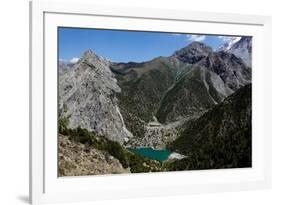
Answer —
(193, 53)
(76, 159)
(231, 69)
(87, 95)
(242, 49)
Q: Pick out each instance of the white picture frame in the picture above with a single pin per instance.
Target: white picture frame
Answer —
(46, 187)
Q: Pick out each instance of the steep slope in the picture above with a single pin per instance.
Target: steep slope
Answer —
(183, 85)
(77, 159)
(221, 138)
(193, 53)
(230, 68)
(87, 95)
(241, 49)
(83, 153)
(214, 76)
(228, 44)
(194, 93)
(65, 67)
(143, 86)
(141, 94)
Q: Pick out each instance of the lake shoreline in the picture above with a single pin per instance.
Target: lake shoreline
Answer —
(160, 155)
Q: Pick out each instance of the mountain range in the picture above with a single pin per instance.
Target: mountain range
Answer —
(196, 99)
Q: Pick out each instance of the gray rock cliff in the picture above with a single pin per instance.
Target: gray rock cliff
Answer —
(88, 95)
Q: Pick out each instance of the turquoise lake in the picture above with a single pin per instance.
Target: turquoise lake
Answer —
(159, 155)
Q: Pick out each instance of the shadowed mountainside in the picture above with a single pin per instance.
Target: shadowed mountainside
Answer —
(220, 138)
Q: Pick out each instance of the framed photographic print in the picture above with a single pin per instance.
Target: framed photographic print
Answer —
(129, 102)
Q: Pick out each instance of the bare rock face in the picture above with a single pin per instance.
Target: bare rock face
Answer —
(76, 159)
(87, 97)
(241, 48)
(193, 53)
(229, 67)
(65, 67)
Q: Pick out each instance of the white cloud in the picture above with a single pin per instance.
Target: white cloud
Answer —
(198, 38)
(74, 60)
(176, 34)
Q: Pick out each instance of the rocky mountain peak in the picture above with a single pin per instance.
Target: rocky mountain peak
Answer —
(228, 44)
(89, 92)
(232, 69)
(91, 57)
(193, 53)
(88, 54)
(199, 45)
(241, 48)
(244, 42)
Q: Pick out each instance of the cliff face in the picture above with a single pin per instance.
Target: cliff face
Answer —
(87, 95)
(231, 69)
(242, 48)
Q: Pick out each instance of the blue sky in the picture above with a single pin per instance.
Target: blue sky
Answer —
(125, 46)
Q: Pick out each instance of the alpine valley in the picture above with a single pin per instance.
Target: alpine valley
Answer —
(188, 111)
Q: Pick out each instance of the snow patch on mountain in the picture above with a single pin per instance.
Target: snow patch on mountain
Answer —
(228, 42)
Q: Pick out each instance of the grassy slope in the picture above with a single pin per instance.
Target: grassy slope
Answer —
(189, 96)
(142, 93)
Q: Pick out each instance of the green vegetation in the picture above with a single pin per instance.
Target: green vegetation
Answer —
(63, 123)
(63, 120)
(218, 154)
(141, 94)
(221, 138)
(188, 97)
(135, 162)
